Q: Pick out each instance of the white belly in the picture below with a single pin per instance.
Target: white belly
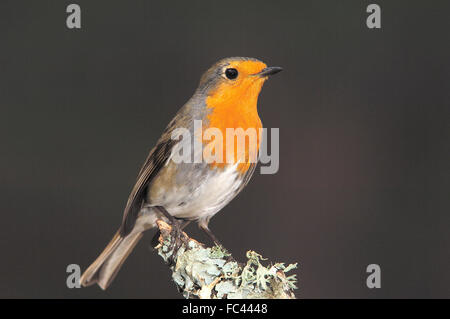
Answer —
(198, 195)
(215, 191)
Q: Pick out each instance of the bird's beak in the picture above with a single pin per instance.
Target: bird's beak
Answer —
(271, 70)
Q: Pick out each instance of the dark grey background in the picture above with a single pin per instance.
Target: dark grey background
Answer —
(363, 117)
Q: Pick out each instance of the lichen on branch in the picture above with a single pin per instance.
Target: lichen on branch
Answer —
(211, 272)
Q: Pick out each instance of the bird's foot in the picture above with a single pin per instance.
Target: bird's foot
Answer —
(178, 239)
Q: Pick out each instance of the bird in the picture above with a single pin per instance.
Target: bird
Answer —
(181, 192)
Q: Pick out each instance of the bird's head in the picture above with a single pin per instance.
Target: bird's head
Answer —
(235, 79)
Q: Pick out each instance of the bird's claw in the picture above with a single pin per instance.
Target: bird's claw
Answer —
(177, 240)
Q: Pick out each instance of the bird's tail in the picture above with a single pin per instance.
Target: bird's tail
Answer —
(105, 268)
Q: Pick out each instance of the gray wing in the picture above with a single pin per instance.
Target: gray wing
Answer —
(152, 165)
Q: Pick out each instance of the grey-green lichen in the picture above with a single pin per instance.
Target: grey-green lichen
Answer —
(211, 272)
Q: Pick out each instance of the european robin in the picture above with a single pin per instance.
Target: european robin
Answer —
(180, 192)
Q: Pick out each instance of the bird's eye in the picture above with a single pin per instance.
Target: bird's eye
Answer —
(231, 73)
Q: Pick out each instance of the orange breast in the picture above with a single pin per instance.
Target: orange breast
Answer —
(235, 107)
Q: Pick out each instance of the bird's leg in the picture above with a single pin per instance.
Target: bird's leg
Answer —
(177, 229)
(155, 240)
(205, 228)
(184, 223)
(208, 232)
(173, 221)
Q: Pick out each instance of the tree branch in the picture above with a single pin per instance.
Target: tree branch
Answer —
(211, 272)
